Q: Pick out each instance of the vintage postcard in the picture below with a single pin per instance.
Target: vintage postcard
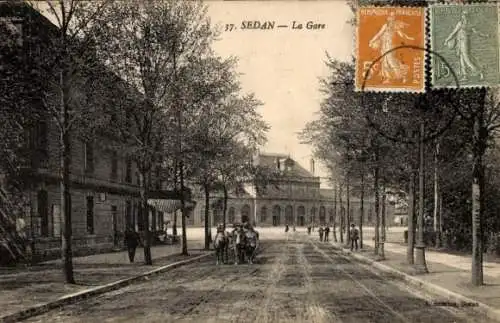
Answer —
(281, 161)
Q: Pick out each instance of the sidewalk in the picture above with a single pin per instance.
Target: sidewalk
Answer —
(23, 288)
(447, 271)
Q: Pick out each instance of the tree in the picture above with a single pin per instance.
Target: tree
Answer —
(146, 44)
(64, 68)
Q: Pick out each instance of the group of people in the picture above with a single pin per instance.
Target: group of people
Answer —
(243, 240)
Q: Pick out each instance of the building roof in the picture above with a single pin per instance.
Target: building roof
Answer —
(270, 160)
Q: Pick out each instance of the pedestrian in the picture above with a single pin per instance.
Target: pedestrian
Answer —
(327, 232)
(320, 230)
(294, 228)
(354, 237)
(286, 228)
(132, 240)
(309, 230)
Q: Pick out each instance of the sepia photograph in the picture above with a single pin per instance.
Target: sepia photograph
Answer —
(249, 161)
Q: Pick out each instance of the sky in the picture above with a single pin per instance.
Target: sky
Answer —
(282, 66)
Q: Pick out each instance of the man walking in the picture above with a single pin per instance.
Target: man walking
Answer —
(132, 240)
(327, 233)
(354, 237)
(320, 230)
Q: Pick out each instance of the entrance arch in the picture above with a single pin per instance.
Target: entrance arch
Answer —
(245, 213)
(230, 215)
(313, 216)
(301, 214)
(276, 215)
(322, 215)
(289, 215)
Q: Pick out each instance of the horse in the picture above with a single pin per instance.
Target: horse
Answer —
(221, 243)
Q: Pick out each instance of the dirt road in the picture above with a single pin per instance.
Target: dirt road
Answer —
(295, 280)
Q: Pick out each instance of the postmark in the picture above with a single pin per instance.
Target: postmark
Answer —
(467, 37)
(390, 49)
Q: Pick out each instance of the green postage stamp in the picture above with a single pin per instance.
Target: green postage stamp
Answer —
(466, 36)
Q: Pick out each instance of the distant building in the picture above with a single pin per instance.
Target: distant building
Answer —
(294, 198)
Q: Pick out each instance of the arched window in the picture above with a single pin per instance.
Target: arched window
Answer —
(322, 215)
(301, 213)
(231, 217)
(43, 212)
(276, 215)
(289, 215)
(263, 214)
(245, 213)
(313, 215)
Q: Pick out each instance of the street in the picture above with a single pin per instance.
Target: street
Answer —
(296, 279)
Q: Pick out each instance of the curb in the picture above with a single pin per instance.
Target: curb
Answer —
(460, 300)
(76, 297)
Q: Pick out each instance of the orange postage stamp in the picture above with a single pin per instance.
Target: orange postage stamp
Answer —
(390, 54)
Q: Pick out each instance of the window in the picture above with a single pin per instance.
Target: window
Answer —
(114, 165)
(263, 214)
(56, 220)
(128, 171)
(231, 215)
(129, 216)
(89, 157)
(202, 215)
(90, 214)
(43, 212)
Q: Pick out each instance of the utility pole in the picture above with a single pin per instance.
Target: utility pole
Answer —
(420, 262)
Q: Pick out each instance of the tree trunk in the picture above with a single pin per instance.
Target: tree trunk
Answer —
(145, 216)
(225, 206)
(334, 230)
(381, 249)
(341, 215)
(480, 137)
(420, 262)
(437, 227)
(65, 183)
(174, 224)
(361, 209)
(348, 222)
(183, 210)
(207, 214)
(411, 219)
(377, 205)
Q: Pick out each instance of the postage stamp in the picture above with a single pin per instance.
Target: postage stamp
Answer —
(466, 38)
(383, 63)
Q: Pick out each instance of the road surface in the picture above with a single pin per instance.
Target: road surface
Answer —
(297, 279)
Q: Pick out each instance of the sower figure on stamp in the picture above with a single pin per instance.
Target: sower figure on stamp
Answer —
(391, 67)
(354, 237)
(460, 40)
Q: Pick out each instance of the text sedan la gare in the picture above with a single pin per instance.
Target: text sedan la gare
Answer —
(271, 24)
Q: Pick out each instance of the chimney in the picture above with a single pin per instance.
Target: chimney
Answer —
(312, 165)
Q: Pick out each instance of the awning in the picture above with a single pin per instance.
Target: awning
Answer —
(169, 206)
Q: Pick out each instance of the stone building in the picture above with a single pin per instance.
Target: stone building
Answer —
(104, 181)
(295, 197)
